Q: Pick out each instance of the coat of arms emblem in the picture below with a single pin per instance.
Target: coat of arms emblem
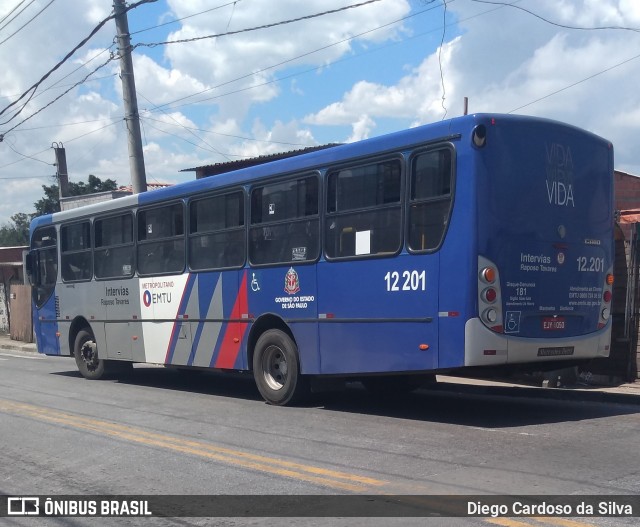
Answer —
(291, 282)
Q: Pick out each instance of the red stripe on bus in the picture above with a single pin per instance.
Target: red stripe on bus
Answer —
(232, 340)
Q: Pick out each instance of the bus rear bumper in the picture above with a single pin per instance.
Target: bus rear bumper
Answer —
(484, 347)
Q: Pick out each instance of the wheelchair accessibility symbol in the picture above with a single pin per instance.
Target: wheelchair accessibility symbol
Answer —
(512, 322)
(255, 286)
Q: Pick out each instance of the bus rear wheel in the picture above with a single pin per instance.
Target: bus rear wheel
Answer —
(276, 369)
(85, 351)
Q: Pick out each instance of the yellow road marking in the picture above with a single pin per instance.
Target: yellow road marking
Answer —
(562, 522)
(299, 471)
(507, 522)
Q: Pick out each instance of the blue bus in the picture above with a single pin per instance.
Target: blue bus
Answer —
(481, 242)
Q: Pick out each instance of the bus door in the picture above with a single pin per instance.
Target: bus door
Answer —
(42, 268)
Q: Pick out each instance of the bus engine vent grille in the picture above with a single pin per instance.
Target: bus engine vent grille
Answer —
(57, 306)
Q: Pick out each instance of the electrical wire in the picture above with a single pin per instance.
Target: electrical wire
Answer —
(31, 91)
(317, 50)
(557, 24)
(265, 26)
(17, 14)
(444, 32)
(60, 96)
(185, 17)
(28, 22)
(227, 135)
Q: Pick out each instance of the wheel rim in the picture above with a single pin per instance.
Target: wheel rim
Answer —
(274, 367)
(89, 355)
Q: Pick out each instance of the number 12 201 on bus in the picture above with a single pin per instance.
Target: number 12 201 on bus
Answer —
(406, 281)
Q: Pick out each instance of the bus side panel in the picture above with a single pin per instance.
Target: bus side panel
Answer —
(291, 294)
(46, 327)
(207, 313)
(231, 340)
(163, 305)
(398, 297)
(458, 263)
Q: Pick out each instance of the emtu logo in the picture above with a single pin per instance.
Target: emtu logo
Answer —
(149, 298)
(559, 175)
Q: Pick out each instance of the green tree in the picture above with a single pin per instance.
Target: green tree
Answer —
(51, 201)
(16, 232)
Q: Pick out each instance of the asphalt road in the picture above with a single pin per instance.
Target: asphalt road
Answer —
(162, 432)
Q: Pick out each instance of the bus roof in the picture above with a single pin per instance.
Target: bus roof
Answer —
(304, 161)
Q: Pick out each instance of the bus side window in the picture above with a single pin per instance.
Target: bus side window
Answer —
(76, 258)
(216, 232)
(430, 198)
(160, 248)
(285, 225)
(364, 211)
(114, 250)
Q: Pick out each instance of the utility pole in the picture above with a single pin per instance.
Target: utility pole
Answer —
(61, 169)
(131, 116)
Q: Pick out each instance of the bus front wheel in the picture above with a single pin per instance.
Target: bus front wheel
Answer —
(85, 351)
(276, 369)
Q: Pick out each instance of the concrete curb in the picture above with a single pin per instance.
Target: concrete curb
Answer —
(609, 395)
(14, 345)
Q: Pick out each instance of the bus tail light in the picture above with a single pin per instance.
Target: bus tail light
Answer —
(489, 297)
(488, 275)
(605, 303)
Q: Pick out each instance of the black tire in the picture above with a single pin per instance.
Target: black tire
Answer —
(395, 385)
(276, 369)
(85, 351)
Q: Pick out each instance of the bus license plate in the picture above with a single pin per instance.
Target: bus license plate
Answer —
(555, 352)
(553, 324)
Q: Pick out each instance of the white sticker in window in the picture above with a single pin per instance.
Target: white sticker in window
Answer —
(272, 209)
(149, 228)
(363, 242)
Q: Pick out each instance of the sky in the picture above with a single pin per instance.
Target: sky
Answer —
(237, 89)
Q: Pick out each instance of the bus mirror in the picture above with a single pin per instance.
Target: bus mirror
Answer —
(30, 267)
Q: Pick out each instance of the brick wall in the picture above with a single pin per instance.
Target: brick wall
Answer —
(626, 191)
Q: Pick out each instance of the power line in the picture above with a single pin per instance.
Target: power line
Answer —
(191, 132)
(28, 22)
(576, 83)
(27, 156)
(557, 24)
(17, 14)
(31, 91)
(267, 68)
(59, 96)
(444, 32)
(227, 135)
(265, 26)
(185, 17)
